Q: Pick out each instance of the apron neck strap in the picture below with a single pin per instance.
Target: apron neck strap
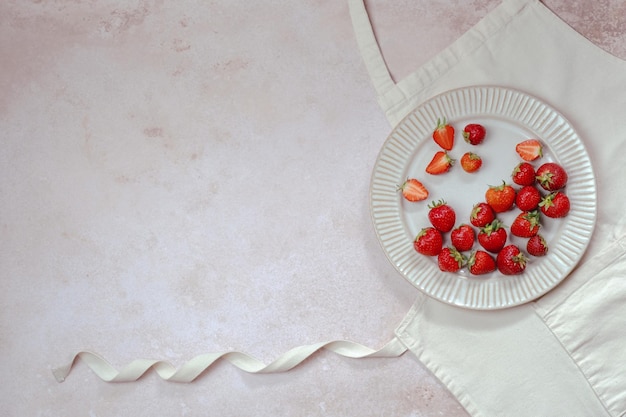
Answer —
(368, 46)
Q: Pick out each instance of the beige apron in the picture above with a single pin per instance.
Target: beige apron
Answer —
(562, 355)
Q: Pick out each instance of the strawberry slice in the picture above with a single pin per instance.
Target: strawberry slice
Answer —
(440, 163)
(443, 135)
(413, 190)
(529, 150)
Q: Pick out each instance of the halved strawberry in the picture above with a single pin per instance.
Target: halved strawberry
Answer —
(443, 134)
(440, 163)
(529, 150)
(413, 190)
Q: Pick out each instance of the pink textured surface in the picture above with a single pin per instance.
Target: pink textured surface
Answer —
(189, 177)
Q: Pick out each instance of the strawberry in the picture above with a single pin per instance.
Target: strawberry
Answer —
(443, 135)
(523, 174)
(527, 198)
(500, 197)
(413, 190)
(529, 150)
(440, 163)
(480, 263)
(442, 216)
(450, 260)
(474, 133)
(555, 205)
(470, 162)
(463, 237)
(537, 246)
(551, 176)
(482, 215)
(526, 224)
(511, 261)
(492, 237)
(428, 241)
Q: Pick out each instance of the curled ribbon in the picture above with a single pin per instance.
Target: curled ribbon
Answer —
(190, 370)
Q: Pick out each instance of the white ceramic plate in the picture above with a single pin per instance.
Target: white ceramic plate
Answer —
(509, 116)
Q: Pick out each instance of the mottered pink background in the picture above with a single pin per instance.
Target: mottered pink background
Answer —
(188, 177)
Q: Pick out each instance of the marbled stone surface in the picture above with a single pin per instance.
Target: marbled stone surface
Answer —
(188, 177)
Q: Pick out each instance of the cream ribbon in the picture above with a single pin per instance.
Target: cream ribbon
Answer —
(192, 369)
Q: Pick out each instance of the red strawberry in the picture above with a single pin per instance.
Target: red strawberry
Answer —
(474, 134)
(555, 205)
(470, 162)
(463, 237)
(500, 197)
(440, 163)
(428, 241)
(551, 176)
(529, 150)
(443, 134)
(511, 261)
(523, 174)
(526, 224)
(442, 216)
(480, 263)
(492, 237)
(413, 190)
(450, 260)
(537, 246)
(482, 215)
(528, 198)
